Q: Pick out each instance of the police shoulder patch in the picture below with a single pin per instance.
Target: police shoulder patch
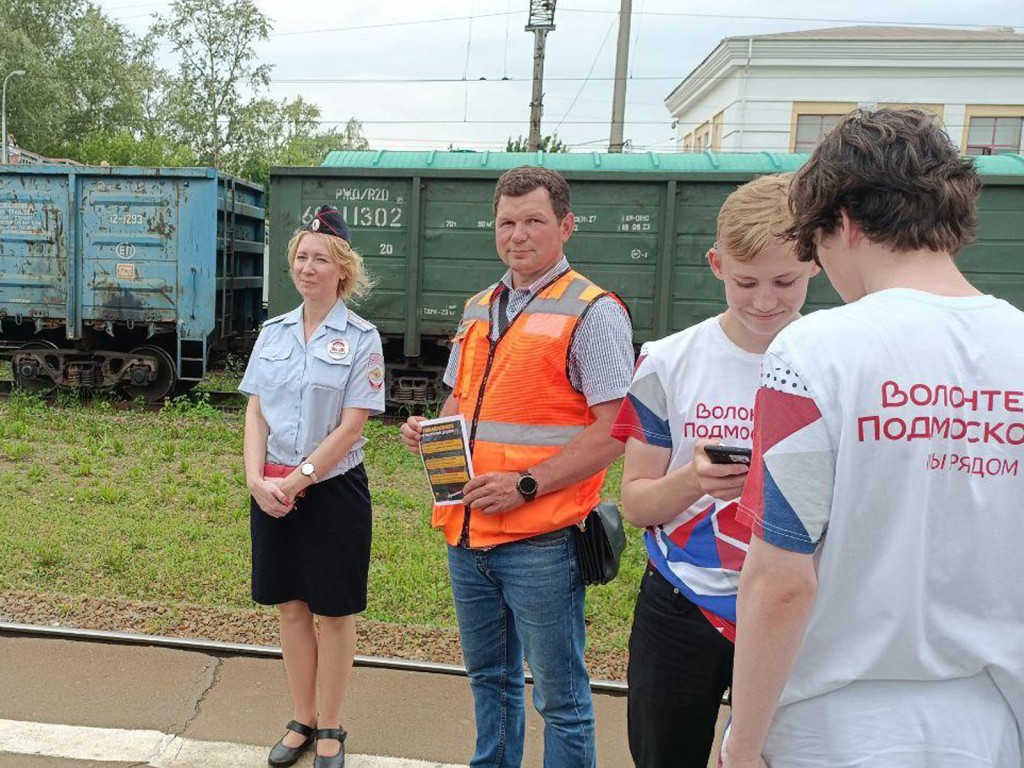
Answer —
(359, 322)
(375, 370)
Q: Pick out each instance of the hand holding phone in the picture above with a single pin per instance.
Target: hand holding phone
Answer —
(728, 454)
(720, 470)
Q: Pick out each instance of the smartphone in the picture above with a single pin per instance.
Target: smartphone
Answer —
(727, 454)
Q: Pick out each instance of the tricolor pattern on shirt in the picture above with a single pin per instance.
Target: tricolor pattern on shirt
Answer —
(786, 499)
(700, 552)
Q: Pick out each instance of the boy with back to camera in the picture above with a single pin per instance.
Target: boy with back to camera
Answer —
(881, 620)
(697, 384)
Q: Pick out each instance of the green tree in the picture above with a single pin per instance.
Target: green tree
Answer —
(105, 72)
(36, 102)
(207, 103)
(216, 101)
(549, 143)
(95, 93)
(293, 136)
(45, 22)
(128, 148)
(85, 73)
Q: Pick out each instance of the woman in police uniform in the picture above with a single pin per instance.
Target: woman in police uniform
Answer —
(315, 376)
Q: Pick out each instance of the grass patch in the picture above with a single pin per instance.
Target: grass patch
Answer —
(220, 381)
(153, 506)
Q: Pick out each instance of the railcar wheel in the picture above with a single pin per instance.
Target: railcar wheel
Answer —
(166, 376)
(25, 378)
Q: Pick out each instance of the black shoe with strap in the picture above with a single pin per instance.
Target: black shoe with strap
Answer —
(281, 756)
(331, 761)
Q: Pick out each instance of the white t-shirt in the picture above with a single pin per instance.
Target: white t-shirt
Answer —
(695, 384)
(890, 443)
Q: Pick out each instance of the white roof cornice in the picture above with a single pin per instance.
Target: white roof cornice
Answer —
(733, 52)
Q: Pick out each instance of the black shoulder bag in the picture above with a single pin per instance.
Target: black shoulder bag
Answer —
(600, 539)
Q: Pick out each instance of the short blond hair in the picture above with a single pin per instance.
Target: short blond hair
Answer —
(755, 217)
(359, 283)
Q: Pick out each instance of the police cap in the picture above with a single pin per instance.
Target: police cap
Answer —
(328, 221)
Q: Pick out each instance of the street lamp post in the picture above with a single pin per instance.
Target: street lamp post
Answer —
(3, 113)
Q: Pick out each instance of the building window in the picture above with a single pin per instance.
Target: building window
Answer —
(810, 129)
(994, 135)
(717, 131)
(702, 138)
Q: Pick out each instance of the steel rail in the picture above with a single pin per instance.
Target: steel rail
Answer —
(607, 687)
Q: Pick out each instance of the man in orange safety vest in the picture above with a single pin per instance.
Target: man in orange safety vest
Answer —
(538, 366)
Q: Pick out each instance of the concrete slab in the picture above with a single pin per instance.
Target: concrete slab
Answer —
(244, 703)
(402, 714)
(248, 705)
(39, 761)
(60, 681)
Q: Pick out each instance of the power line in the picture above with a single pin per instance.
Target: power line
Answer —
(642, 13)
(392, 24)
(901, 74)
(775, 126)
(636, 39)
(586, 80)
(737, 17)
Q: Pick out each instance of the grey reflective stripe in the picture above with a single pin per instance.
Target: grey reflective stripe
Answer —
(569, 303)
(525, 434)
(476, 312)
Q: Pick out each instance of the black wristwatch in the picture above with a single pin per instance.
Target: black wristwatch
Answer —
(527, 485)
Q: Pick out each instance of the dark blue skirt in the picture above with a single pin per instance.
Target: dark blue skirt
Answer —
(320, 551)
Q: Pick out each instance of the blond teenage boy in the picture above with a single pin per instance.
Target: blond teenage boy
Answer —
(695, 387)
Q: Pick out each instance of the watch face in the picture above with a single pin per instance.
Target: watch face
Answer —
(307, 469)
(527, 484)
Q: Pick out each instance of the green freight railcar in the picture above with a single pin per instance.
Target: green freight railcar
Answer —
(424, 222)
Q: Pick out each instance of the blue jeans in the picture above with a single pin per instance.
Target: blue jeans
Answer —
(525, 597)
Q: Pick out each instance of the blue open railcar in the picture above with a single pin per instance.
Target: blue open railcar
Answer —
(126, 277)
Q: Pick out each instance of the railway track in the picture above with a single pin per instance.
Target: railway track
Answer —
(9, 629)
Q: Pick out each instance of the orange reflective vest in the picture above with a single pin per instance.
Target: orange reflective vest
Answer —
(520, 408)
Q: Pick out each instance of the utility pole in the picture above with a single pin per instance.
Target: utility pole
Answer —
(3, 114)
(542, 21)
(621, 67)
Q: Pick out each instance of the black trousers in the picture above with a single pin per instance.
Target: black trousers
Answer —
(679, 667)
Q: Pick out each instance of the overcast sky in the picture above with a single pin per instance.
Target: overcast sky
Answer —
(477, 44)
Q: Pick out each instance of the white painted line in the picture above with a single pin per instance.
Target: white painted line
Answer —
(156, 749)
(81, 743)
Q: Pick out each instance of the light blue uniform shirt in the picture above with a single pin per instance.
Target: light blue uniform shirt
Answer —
(303, 388)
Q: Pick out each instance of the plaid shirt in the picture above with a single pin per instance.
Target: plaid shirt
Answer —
(601, 356)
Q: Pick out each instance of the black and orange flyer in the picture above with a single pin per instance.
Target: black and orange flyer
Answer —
(444, 448)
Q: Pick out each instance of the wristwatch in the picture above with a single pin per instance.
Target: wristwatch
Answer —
(309, 471)
(527, 485)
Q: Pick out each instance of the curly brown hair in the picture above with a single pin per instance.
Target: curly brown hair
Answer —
(897, 175)
(526, 178)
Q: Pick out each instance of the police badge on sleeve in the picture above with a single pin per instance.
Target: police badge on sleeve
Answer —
(375, 370)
